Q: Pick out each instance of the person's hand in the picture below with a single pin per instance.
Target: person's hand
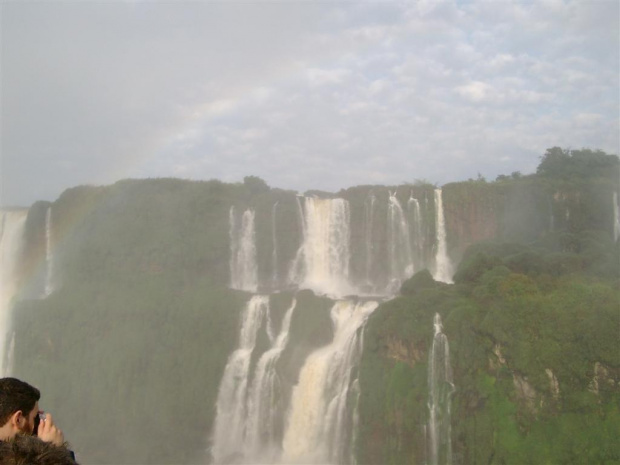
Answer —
(49, 432)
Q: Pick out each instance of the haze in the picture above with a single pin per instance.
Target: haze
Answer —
(305, 95)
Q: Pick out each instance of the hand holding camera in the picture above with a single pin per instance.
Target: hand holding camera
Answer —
(46, 430)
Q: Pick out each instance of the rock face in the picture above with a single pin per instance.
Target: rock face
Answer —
(514, 343)
(472, 214)
(405, 352)
(525, 392)
(554, 385)
(603, 379)
(142, 281)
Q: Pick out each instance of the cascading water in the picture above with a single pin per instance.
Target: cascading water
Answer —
(249, 404)
(243, 266)
(231, 407)
(265, 409)
(418, 237)
(320, 421)
(369, 207)
(440, 390)
(259, 419)
(443, 265)
(616, 217)
(48, 253)
(399, 244)
(322, 261)
(11, 241)
(274, 253)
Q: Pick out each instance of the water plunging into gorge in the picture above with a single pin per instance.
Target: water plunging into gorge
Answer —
(443, 265)
(399, 244)
(305, 413)
(49, 284)
(321, 414)
(258, 421)
(322, 261)
(243, 266)
(12, 225)
(440, 390)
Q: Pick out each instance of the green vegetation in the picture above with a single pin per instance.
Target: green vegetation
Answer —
(135, 367)
(512, 336)
(130, 348)
(533, 330)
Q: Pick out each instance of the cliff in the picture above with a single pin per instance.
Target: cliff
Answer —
(535, 356)
(130, 345)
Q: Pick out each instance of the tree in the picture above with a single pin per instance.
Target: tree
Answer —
(578, 164)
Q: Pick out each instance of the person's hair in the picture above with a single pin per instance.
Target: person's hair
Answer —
(30, 450)
(16, 395)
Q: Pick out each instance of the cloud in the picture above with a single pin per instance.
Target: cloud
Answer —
(304, 95)
(476, 91)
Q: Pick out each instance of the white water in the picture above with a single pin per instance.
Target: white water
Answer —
(265, 409)
(231, 407)
(443, 266)
(274, 240)
(322, 261)
(418, 237)
(321, 417)
(243, 266)
(369, 208)
(48, 253)
(399, 244)
(11, 242)
(616, 218)
(440, 389)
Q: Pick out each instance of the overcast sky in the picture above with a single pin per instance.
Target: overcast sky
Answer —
(306, 95)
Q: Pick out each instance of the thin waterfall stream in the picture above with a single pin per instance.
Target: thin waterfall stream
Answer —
(440, 390)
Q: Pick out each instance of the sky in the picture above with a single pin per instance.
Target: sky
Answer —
(306, 95)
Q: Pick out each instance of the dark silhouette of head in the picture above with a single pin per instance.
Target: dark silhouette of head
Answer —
(16, 395)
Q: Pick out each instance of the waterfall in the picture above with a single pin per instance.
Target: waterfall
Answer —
(418, 237)
(11, 242)
(48, 252)
(243, 267)
(321, 417)
(443, 266)
(616, 218)
(322, 261)
(231, 408)
(265, 409)
(369, 207)
(274, 253)
(399, 245)
(440, 389)
(249, 407)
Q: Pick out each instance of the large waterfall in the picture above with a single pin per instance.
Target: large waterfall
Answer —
(440, 390)
(399, 244)
(265, 400)
(231, 418)
(322, 262)
(243, 266)
(253, 423)
(49, 285)
(369, 210)
(416, 229)
(263, 417)
(443, 266)
(11, 240)
(320, 422)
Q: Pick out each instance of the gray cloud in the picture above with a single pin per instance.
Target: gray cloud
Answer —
(305, 95)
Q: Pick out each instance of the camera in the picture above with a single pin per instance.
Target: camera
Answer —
(37, 420)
